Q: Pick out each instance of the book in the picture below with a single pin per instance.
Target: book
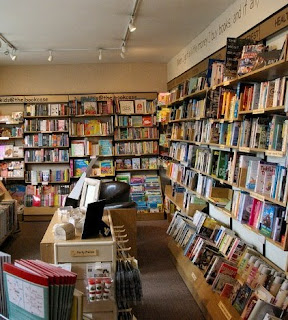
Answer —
(106, 167)
(80, 166)
(77, 148)
(242, 297)
(32, 300)
(126, 106)
(261, 308)
(267, 219)
(89, 107)
(221, 280)
(136, 164)
(105, 147)
(140, 106)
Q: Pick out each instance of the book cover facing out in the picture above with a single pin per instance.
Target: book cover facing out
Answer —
(27, 294)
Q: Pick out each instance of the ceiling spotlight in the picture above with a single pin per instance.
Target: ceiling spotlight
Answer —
(13, 55)
(123, 49)
(122, 55)
(131, 26)
(100, 54)
(50, 58)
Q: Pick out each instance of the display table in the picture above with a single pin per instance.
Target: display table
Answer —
(80, 253)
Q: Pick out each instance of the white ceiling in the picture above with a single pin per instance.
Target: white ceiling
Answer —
(164, 27)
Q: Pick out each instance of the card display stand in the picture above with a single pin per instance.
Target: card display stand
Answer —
(80, 252)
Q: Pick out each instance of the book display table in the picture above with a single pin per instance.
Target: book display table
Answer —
(83, 254)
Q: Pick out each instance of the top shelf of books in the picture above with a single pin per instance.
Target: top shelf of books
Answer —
(245, 62)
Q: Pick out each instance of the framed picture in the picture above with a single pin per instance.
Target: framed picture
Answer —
(90, 192)
(126, 106)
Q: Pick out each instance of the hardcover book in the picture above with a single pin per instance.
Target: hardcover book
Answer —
(126, 106)
(140, 106)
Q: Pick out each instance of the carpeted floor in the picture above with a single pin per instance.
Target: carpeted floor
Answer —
(165, 294)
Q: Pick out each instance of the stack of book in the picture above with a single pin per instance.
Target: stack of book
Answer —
(37, 290)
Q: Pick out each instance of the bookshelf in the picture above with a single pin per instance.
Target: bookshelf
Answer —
(136, 138)
(46, 154)
(91, 135)
(71, 129)
(228, 148)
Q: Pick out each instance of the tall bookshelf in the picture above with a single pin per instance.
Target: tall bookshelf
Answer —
(136, 139)
(46, 154)
(91, 135)
(231, 154)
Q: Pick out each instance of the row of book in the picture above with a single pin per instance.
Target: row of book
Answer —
(145, 191)
(47, 109)
(136, 163)
(135, 121)
(7, 218)
(46, 176)
(135, 106)
(85, 147)
(223, 103)
(267, 133)
(268, 218)
(12, 169)
(91, 127)
(230, 266)
(183, 89)
(14, 132)
(91, 106)
(46, 196)
(43, 125)
(46, 290)
(101, 168)
(189, 109)
(11, 151)
(46, 140)
(244, 171)
(134, 148)
(46, 155)
(135, 133)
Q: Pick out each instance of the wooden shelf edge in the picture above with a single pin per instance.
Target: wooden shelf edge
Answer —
(207, 300)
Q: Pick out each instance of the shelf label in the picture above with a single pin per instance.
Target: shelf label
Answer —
(83, 253)
(4, 138)
(257, 111)
(244, 149)
(1, 178)
(193, 275)
(221, 121)
(224, 310)
(13, 99)
(257, 196)
(214, 87)
(197, 118)
(226, 83)
(52, 98)
(221, 181)
(45, 183)
(222, 146)
(274, 153)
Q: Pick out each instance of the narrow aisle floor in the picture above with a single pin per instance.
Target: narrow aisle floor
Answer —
(165, 294)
